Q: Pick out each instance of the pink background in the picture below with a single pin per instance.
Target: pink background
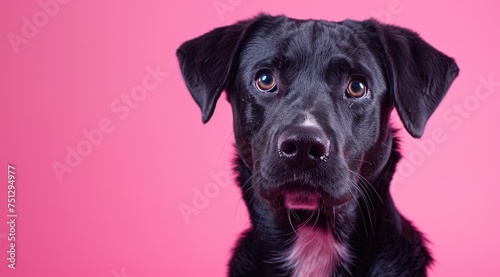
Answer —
(117, 212)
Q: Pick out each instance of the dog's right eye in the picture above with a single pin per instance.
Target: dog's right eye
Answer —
(356, 89)
(266, 82)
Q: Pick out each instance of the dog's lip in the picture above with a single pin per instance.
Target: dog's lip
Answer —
(312, 200)
(301, 200)
(306, 196)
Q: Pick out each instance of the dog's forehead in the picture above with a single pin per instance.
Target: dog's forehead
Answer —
(307, 39)
(314, 36)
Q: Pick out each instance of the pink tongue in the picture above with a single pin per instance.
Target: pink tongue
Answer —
(301, 201)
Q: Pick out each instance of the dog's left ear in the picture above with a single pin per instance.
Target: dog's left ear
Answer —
(208, 61)
(419, 75)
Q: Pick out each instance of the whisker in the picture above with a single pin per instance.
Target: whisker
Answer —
(307, 220)
(334, 217)
(317, 218)
(291, 224)
(258, 223)
(358, 160)
(362, 216)
(367, 202)
(295, 215)
(366, 183)
(352, 225)
(224, 145)
(244, 192)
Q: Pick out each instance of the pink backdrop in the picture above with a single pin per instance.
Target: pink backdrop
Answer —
(108, 144)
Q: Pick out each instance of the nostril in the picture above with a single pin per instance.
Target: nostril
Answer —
(288, 147)
(317, 150)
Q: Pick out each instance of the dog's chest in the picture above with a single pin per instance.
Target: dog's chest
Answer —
(315, 253)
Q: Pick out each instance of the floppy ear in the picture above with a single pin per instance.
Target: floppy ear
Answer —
(419, 75)
(207, 62)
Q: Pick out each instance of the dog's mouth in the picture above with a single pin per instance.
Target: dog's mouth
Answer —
(309, 199)
(302, 207)
(302, 200)
(299, 203)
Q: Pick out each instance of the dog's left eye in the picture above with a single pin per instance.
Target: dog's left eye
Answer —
(266, 82)
(356, 89)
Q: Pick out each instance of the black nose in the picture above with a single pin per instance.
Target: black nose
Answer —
(303, 146)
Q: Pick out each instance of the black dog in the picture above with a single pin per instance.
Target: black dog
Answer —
(311, 102)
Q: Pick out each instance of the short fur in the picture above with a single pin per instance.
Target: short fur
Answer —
(343, 151)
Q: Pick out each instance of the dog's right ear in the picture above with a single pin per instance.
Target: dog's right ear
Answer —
(208, 61)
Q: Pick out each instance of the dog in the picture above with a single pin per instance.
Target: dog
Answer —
(311, 103)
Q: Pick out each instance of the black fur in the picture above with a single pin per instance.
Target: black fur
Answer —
(313, 61)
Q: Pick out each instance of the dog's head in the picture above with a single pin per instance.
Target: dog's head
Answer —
(312, 99)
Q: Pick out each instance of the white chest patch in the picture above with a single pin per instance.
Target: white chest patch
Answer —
(315, 253)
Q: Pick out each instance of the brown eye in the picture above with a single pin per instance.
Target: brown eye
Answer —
(356, 89)
(266, 82)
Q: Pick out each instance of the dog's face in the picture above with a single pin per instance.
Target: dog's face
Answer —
(311, 101)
